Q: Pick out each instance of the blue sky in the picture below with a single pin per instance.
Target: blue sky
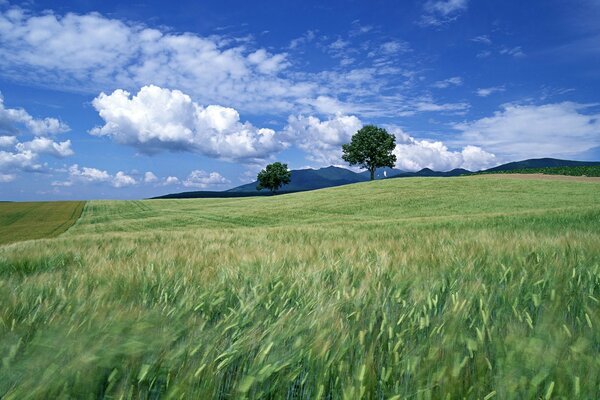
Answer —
(104, 99)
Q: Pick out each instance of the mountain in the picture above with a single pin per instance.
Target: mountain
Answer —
(382, 173)
(542, 163)
(310, 179)
(425, 172)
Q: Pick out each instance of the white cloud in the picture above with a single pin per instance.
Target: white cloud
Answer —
(149, 177)
(413, 155)
(158, 119)
(441, 12)
(394, 47)
(514, 51)
(454, 81)
(426, 105)
(7, 141)
(122, 180)
(94, 175)
(308, 37)
(322, 140)
(41, 145)
(484, 92)
(484, 39)
(5, 178)
(12, 118)
(525, 131)
(171, 180)
(339, 44)
(445, 7)
(87, 174)
(91, 52)
(202, 179)
(21, 161)
(25, 155)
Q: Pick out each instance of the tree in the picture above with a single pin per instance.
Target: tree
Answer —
(273, 177)
(370, 148)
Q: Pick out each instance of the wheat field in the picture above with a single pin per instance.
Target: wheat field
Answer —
(417, 288)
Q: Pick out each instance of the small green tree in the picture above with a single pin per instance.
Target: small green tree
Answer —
(273, 177)
(370, 148)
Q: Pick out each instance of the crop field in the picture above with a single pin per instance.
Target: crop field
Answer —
(25, 221)
(417, 288)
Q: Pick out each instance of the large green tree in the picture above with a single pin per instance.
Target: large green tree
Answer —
(370, 148)
(273, 177)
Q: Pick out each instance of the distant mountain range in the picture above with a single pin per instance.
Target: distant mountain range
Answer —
(542, 163)
(311, 179)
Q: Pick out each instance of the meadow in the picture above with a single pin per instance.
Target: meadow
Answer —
(24, 221)
(416, 288)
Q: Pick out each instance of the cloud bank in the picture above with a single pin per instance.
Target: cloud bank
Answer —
(526, 131)
(157, 119)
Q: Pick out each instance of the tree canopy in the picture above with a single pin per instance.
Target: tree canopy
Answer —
(273, 177)
(371, 147)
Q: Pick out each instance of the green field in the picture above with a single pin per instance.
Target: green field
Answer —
(25, 221)
(569, 171)
(417, 288)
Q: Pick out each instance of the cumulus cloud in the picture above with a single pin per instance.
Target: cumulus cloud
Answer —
(525, 131)
(87, 174)
(12, 118)
(202, 179)
(322, 140)
(413, 155)
(42, 145)
(25, 156)
(157, 119)
(20, 161)
(454, 81)
(94, 175)
(122, 180)
(149, 177)
(171, 180)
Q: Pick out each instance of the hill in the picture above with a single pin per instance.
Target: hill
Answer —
(443, 288)
(426, 172)
(310, 179)
(541, 163)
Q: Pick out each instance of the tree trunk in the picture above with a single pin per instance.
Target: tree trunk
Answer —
(372, 169)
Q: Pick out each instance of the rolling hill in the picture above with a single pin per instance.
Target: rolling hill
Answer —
(311, 179)
(453, 288)
(542, 163)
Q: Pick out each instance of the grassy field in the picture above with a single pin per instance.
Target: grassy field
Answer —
(569, 171)
(416, 288)
(25, 221)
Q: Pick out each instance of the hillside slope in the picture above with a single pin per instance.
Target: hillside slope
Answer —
(541, 163)
(470, 287)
